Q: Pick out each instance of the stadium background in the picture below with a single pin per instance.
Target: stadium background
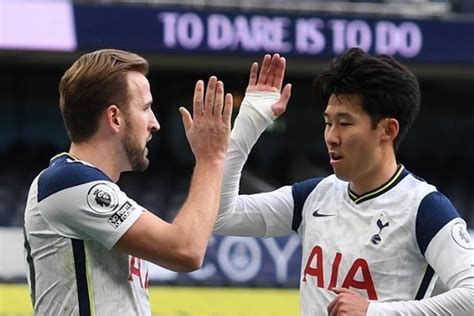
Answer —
(189, 40)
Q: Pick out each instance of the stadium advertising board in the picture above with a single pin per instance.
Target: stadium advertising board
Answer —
(211, 32)
(63, 26)
(37, 25)
(242, 261)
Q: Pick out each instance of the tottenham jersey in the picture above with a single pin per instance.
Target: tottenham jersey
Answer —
(378, 244)
(74, 216)
(373, 244)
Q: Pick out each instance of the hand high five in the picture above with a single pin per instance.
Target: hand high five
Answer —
(209, 129)
(270, 79)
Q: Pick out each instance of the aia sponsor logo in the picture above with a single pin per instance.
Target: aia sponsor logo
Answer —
(358, 276)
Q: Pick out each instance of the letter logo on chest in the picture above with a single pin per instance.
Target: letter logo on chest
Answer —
(315, 268)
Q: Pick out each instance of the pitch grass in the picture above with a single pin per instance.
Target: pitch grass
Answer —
(184, 301)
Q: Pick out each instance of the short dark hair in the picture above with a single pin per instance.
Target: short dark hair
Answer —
(387, 88)
(95, 81)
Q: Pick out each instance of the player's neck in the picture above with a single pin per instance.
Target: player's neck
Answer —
(101, 156)
(375, 177)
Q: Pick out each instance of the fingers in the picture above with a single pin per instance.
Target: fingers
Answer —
(280, 107)
(279, 73)
(275, 61)
(214, 103)
(347, 302)
(271, 74)
(340, 290)
(210, 96)
(253, 74)
(228, 106)
(262, 77)
(198, 106)
(219, 99)
(286, 93)
(331, 307)
(186, 116)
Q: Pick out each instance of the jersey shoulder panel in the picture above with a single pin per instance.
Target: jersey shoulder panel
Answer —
(301, 191)
(64, 172)
(78, 201)
(434, 212)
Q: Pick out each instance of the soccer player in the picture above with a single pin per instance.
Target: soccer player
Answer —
(85, 239)
(374, 236)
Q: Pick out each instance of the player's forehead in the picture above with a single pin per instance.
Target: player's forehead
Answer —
(344, 106)
(139, 88)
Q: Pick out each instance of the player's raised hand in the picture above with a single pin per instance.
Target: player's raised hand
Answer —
(348, 302)
(208, 129)
(270, 79)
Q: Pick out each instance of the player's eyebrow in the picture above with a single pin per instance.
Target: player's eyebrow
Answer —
(149, 103)
(338, 115)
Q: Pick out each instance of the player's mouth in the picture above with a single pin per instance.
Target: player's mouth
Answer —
(145, 150)
(335, 157)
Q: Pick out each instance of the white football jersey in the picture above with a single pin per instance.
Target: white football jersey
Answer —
(373, 244)
(74, 216)
(379, 244)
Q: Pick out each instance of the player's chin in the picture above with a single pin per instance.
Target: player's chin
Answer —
(141, 165)
(341, 174)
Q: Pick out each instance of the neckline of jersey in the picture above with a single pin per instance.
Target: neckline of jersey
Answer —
(399, 174)
(64, 154)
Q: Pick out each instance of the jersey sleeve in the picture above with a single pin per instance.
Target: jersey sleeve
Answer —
(451, 254)
(262, 215)
(250, 215)
(442, 235)
(300, 192)
(81, 203)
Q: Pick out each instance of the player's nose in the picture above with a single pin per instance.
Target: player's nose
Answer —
(331, 137)
(154, 124)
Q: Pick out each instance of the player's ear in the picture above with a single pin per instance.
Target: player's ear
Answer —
(114, 118)
(390, 128)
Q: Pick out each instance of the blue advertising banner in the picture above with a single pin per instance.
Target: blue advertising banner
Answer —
(157, 30)
(242, 261)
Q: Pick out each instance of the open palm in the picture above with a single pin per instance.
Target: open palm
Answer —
(270, 79)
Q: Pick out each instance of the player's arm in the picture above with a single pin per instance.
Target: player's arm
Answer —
(264, 101)
(181, 245)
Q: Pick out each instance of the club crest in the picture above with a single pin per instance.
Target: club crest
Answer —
(376, 238)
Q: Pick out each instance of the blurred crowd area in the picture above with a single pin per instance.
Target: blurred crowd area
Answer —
(438, 148)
